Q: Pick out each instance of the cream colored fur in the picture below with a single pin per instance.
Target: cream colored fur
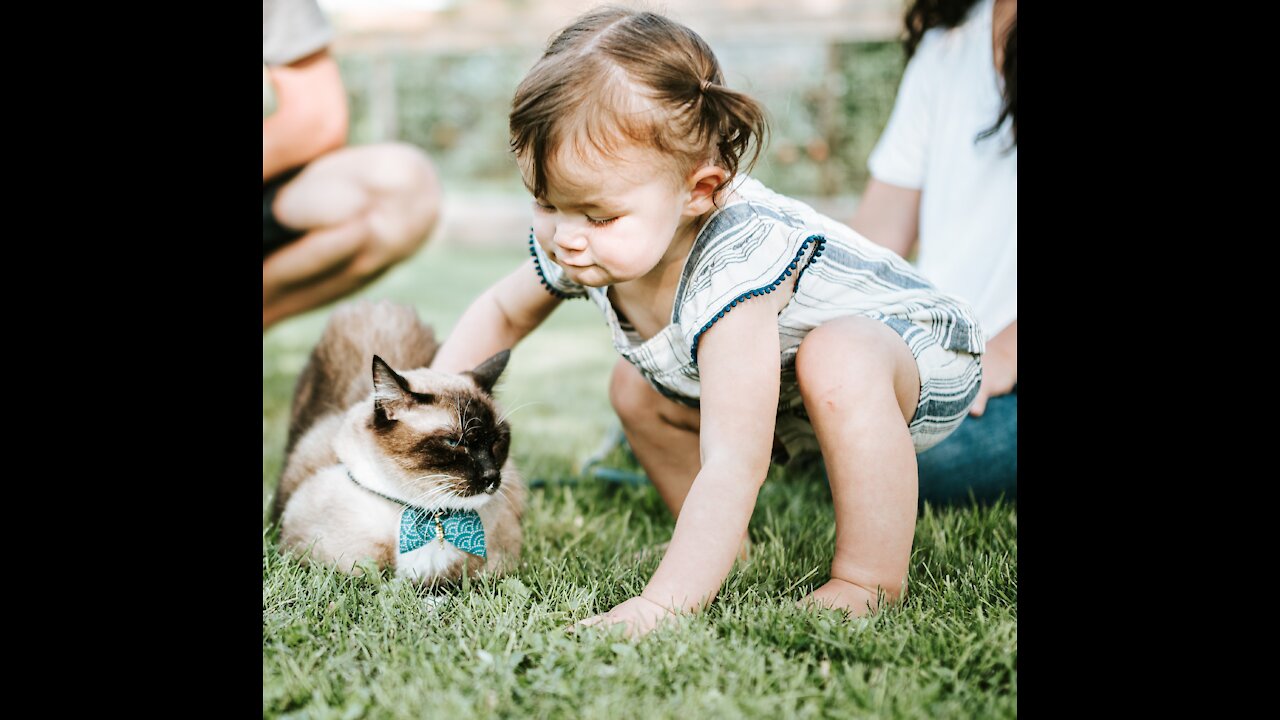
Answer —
(327, 518)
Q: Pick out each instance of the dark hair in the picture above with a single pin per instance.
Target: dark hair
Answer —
(924, 15)
(616, 75)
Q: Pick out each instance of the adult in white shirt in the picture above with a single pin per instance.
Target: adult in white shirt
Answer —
(945, 184)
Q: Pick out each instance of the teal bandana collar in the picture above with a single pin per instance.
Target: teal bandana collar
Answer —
(419, 526)
(460, 528)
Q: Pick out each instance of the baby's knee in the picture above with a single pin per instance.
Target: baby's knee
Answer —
(630, 394)
(638, 404)
(849, 357)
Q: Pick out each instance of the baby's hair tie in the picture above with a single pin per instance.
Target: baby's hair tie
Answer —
(705, 84)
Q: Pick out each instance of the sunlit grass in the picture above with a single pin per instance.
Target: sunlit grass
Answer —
(336, 646)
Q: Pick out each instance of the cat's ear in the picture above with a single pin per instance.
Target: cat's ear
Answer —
(390, 392)
(486, 373)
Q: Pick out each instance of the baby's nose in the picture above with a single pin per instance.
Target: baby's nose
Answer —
(570, 239)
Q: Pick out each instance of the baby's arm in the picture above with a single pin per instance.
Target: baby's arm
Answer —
(496, 320)
(738, 361)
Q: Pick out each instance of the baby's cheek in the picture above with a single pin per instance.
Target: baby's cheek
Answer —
(544, 231)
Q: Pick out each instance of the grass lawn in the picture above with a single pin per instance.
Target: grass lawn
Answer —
(341, 647)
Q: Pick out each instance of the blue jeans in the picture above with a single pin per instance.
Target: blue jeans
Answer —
(980, 456)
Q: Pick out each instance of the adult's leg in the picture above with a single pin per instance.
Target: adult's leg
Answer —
(275, 235)
(860, 386)
(364, 209)
(980, 457)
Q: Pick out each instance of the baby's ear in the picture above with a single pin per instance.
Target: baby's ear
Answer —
(486, 373)
(702, 188)
(390, 392)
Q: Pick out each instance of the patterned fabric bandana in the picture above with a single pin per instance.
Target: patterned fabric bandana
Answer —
(460, 528)
(419, 526)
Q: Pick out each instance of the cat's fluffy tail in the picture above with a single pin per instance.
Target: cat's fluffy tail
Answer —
(339, 372)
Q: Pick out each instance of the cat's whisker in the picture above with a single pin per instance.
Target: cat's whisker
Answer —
(431, 495)
(426, 495)
(436, 494)
(504, 492)
(512, 411)
(457, 414)
(428, 503)
(467, 425)
(464, 422)
(437, 475)
(433, 490)
(506, 499)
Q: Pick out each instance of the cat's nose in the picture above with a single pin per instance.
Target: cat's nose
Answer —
(492, 483)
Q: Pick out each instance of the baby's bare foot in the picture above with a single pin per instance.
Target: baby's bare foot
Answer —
(839, 594)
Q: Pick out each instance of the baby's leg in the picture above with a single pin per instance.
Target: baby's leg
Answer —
(664, 436)
(663, 433)
(860, 386)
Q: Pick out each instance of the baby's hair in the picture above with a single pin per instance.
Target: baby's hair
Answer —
(618, 75)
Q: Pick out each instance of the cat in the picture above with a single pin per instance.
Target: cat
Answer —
(410, 470)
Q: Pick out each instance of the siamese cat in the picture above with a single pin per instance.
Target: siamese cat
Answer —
(406, 467)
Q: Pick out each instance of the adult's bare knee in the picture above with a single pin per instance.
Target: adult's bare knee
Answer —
(405, 189)
(397, 168)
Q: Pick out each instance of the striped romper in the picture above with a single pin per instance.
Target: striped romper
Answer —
(752, 246)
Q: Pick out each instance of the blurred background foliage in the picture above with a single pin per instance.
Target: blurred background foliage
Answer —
(828, 96)
(827, 106)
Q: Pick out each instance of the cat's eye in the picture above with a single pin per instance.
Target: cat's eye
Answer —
(452, 442)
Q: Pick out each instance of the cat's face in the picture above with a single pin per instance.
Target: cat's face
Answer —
(442, 432)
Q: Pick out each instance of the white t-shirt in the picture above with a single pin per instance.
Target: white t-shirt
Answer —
(292, 30)
(950, 93)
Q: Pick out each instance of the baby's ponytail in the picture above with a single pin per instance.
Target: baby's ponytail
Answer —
(736, 124)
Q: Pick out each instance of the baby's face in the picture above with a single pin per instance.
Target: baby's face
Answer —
(610, 220)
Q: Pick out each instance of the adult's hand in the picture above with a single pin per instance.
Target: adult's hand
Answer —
(999, 368)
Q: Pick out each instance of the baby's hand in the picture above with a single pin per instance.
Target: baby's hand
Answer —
(639, 614)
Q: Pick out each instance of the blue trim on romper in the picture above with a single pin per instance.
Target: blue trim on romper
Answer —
(819, 242)
(542, 276)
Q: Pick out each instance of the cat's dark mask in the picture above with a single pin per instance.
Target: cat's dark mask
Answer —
(450, 438)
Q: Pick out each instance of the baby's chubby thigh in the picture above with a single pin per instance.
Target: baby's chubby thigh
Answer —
(855, 368)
